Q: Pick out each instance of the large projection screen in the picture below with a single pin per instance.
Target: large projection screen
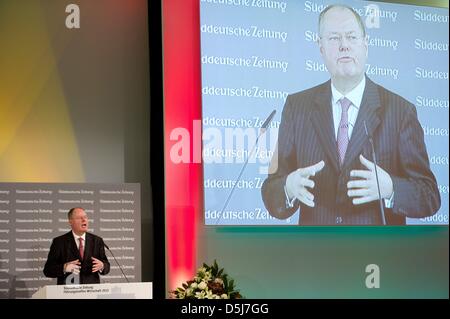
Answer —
(255, 53)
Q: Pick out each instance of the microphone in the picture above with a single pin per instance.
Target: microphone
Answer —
(267, 121)
(383, 218)
(106, 246)
(261, 132)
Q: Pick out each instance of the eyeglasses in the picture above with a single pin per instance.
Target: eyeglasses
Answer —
(80, 217)
(336, 39)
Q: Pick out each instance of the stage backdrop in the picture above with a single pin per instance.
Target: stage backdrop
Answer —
(75, 106)
(255, 53)
(32, 214)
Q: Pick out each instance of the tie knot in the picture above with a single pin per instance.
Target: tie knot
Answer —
(345, 104)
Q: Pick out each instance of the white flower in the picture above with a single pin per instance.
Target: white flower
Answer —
(209, 294)
(201, 270)
(204, 275)
(194, 285)
(224, 296)
(207, 276)
(200, 295)
(216, 296)
(189, 292)
(202, 285)
(218, 281)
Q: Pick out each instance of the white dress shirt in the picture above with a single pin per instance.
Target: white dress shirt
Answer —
(77, 241)
(355, 96)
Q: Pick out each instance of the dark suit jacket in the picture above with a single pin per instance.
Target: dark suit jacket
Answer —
(306, 136)
(64, 249)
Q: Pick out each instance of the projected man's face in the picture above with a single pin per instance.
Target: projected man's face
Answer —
(343, 46)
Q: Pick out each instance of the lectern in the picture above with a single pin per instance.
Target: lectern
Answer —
(132, 290)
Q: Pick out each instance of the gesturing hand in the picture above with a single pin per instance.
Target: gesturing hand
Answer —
(298, 180)
(72, 266)
(97, 265)
(365, 189)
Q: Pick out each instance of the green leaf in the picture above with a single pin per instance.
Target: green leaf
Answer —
(225, 281)
(231, 284)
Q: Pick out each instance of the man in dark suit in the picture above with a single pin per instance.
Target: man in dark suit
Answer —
(78, 256)
(323, 162)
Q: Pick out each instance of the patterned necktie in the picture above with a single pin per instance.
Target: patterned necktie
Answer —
(342, 135)
(81, 248)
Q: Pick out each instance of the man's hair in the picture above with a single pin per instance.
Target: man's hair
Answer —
(70, 213)
(342, 6)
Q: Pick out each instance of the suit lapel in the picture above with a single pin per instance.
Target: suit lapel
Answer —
(88, 247)
(73, 245)
(322, 119)
(368, 113)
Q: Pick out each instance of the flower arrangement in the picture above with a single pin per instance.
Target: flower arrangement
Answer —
(210, 282)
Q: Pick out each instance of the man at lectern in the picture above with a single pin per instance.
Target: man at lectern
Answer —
(77, 257)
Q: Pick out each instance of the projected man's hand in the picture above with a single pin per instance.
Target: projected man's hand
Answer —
(299, 180)
(364, 189)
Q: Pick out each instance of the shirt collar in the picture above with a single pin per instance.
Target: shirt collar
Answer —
(355, 95)
(76, 237)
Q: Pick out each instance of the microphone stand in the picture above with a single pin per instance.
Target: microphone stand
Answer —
(261, 132)
(380, 201)
(106, 246)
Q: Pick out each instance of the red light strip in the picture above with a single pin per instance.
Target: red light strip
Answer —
(182, 105)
